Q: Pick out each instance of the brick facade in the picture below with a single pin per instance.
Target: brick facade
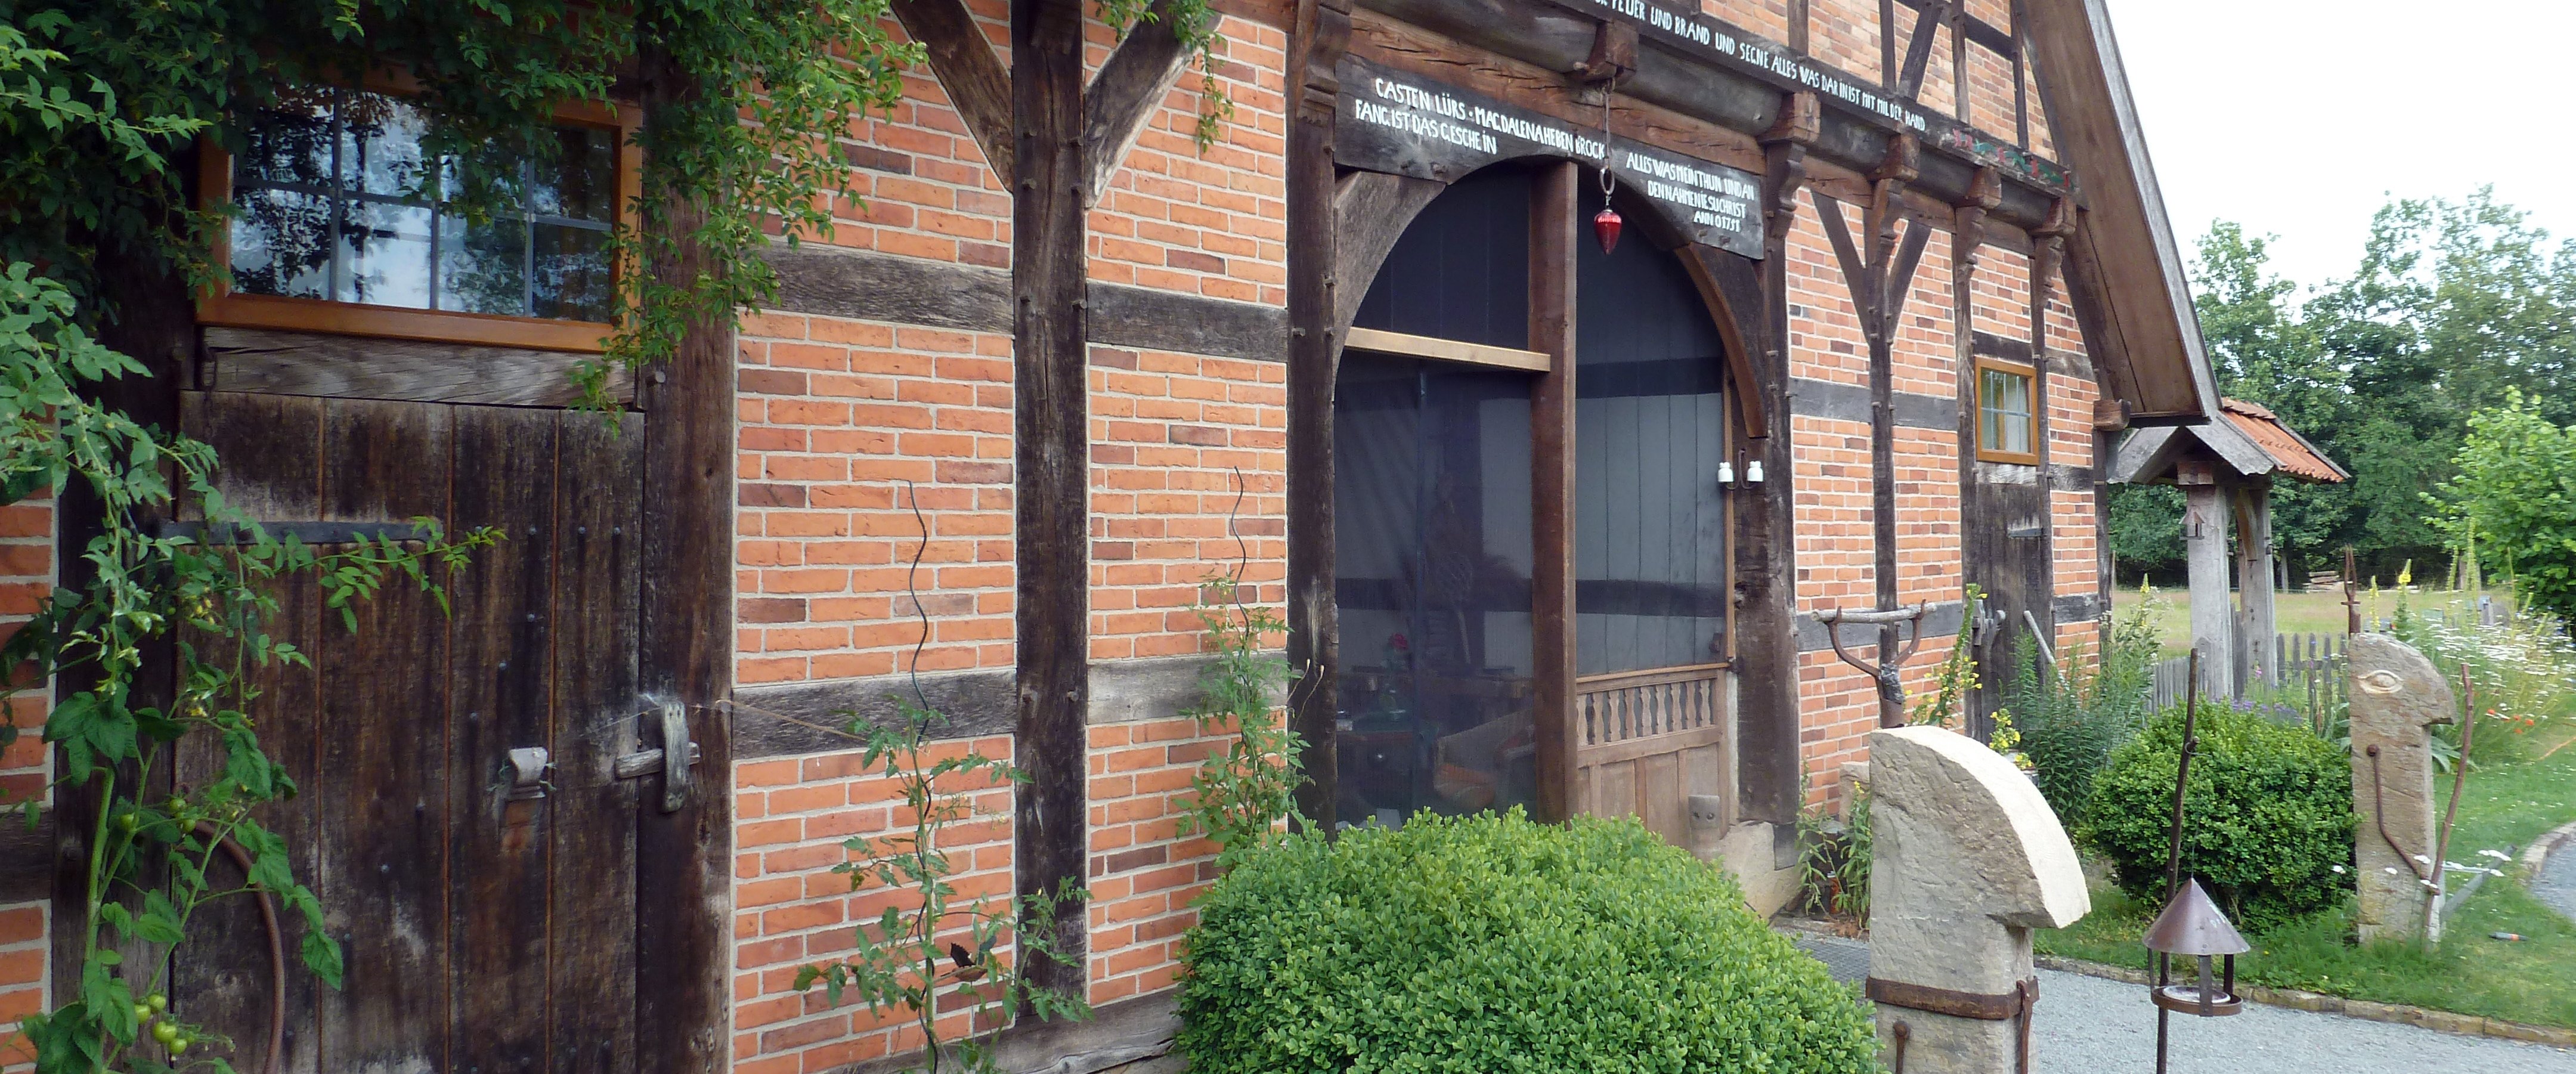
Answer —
(865, 443)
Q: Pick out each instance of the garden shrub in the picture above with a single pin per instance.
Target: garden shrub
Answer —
(1488, 944)
(2269, 822)
(2072, 719)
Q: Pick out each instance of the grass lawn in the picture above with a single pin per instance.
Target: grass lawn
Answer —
(2317, 611)
(2505, 805)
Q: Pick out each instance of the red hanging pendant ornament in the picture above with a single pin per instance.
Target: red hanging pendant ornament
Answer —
(1606, 223)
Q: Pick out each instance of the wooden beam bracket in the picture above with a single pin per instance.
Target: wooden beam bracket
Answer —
(1614, 54)
(969, 70)
(1124, 95)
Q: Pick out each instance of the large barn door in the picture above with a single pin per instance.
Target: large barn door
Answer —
(484, 896)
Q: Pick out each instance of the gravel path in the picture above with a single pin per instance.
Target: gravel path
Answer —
(2556, 884)
(2088, 1025)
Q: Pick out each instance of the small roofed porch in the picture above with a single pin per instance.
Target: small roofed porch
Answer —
(2226, 469)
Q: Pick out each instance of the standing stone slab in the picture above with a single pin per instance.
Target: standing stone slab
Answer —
(1969, 859)
(2396, 698)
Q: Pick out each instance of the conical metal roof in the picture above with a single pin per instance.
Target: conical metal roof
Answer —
(2193, 925)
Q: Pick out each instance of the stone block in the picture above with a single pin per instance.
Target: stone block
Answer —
(1969, 859)
(2396, 697)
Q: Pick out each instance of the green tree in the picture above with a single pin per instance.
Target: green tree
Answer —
(2517, 486)
(2263, 350)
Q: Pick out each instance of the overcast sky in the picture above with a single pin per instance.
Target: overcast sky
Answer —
(2299, 118)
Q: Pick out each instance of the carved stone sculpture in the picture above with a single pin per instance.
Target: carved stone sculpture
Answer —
(2396, 698)
(1969, 859)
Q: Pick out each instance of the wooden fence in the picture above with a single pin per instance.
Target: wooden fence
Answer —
(2307, 673)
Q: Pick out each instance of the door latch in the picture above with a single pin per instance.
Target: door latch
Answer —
(672, 718)
(528, 765)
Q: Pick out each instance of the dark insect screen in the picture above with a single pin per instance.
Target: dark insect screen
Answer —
(1431, 482)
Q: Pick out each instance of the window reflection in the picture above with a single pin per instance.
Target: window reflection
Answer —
(2005, 411)
(340, 199)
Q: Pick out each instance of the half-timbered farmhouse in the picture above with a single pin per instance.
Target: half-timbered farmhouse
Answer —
(1554, 522)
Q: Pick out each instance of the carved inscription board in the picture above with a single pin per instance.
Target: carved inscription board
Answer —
(1399, 122)
(1694, 34)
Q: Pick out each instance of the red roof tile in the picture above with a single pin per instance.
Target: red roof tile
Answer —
(2288, 448)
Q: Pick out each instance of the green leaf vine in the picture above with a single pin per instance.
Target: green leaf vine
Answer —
(1239, 797)
(206, 597)
(933, 952)
(105, 106)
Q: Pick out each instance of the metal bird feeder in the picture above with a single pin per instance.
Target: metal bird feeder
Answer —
(2191, 925)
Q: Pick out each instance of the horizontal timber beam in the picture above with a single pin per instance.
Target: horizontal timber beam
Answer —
(1447, 350)
(874, 286)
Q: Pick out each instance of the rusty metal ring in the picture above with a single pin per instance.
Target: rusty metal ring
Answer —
(276, 948)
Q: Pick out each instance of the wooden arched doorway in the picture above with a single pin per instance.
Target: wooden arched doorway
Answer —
(1536, 445)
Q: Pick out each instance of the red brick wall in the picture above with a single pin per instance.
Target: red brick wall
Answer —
(836, 416)
(26, 573)
(792, 818)
(1187, 479)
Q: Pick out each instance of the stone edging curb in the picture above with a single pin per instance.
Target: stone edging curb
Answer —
(2537, 854)
(2444, 1021)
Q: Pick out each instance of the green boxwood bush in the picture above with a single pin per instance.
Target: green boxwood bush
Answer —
(1488, 944)
(2270, 818)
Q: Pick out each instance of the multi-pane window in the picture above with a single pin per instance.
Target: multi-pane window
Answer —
(339, 200)
(2007, 412)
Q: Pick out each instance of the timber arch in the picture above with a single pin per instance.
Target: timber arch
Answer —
(1497, 657)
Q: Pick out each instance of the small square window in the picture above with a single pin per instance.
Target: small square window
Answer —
(2007, 412)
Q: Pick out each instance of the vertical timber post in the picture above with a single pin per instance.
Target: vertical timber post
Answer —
(1766, 577)
(2258, 628)
(1050, 457)
(1322, 30)
(2204, 529)
(1551, 332)
(684, 860)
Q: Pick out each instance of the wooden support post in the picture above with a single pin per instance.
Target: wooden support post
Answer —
(1880, 279)
(1765, 513)
(2256, 623)
(684, 859)
(1050, 427)
(1967, 245)
(1315, 301)
(1551, 331)
(2204, 531)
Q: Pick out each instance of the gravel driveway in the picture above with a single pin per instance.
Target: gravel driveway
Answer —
(2088, 1025)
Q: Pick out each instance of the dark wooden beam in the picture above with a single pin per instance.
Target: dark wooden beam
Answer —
(684, 859)
(1051, 440)
(1918, 50)
(27, 853)
(1552, 211)
(1370, 211)
(978, 86)
(1880, 275)
(1976, 30)
(1798, 25)
(1770, 786)
(1887, 58)
(1318, 297)
(834, 282)
(1128, 90)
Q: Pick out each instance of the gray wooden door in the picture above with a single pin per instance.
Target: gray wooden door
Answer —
(488, 927)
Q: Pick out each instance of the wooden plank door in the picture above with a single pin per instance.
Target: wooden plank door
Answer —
(2008, 555)
(488, 925)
